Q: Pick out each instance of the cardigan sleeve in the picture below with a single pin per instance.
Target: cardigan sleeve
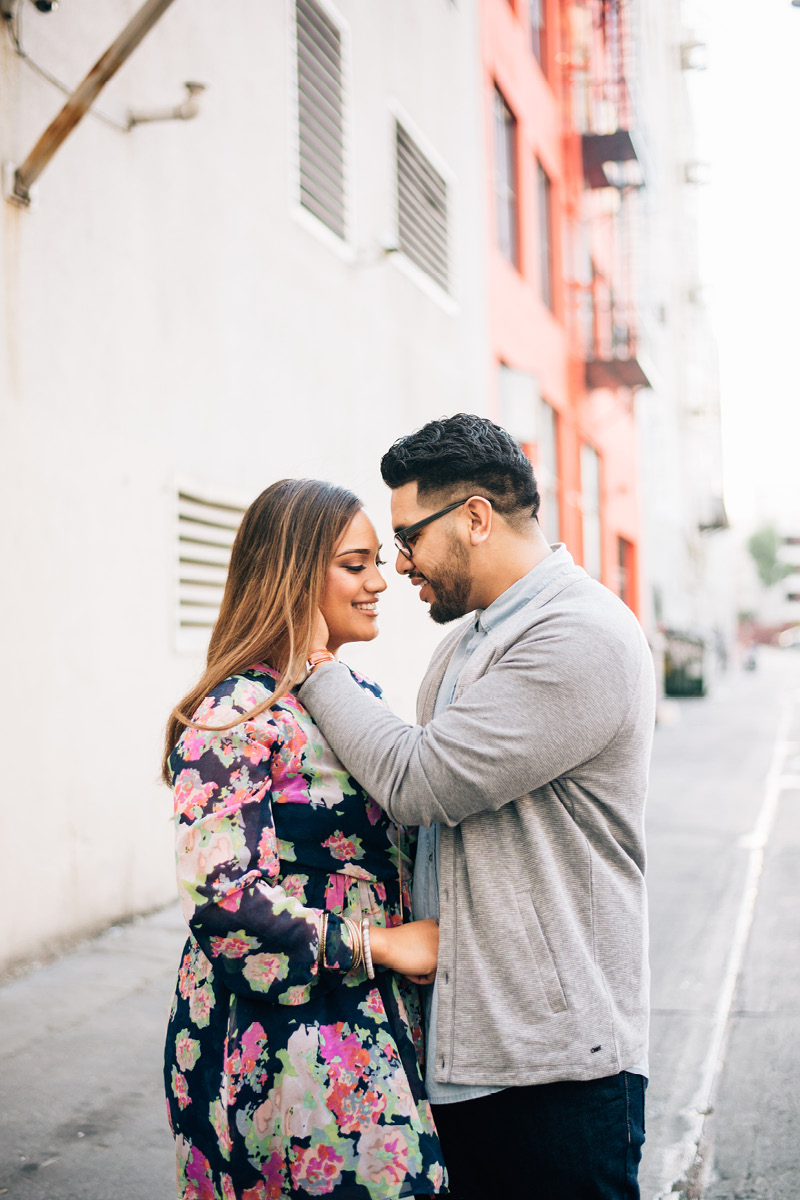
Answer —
(263, 940)
(550, 703)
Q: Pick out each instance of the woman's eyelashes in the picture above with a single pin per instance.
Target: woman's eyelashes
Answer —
(355, 567)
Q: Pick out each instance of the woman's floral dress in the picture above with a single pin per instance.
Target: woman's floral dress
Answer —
(284, 1078)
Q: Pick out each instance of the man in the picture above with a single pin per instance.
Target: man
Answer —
(528, 770)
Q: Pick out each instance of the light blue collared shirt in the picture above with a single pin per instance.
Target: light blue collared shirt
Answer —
(426, 869)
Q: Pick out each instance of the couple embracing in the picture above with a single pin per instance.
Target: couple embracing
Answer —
(338, 1030)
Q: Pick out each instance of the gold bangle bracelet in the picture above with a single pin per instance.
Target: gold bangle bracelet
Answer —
(357, 943)
(323, 933)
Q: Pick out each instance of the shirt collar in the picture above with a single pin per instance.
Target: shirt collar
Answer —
(524, 590)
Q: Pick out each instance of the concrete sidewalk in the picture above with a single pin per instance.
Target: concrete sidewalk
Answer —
(82, 1110)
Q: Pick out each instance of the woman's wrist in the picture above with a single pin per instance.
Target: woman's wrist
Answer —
(316, 658)
(377, 941)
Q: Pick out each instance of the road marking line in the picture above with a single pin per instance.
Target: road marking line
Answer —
(686, 1156)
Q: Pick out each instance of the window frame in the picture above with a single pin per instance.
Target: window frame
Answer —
(506, 194)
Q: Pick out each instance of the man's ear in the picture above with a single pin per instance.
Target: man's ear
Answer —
(480, 516)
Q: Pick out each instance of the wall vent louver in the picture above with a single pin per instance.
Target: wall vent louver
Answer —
(320, 116)
(207, 526)
(421, 210)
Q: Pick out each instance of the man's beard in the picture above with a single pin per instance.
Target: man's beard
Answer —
(451, 587)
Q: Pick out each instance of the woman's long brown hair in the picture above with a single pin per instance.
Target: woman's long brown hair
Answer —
(279, 562)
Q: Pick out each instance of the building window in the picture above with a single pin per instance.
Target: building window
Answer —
(320, 112)
(421, 209)
(547, 471)
(505, 178)
(590, 504)
(534, 423)
(545, 197)
(538, 18)
(206, 527)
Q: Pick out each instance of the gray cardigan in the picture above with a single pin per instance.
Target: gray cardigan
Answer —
(537, 772)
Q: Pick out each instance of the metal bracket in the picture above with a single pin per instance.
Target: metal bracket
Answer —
(82, 98)
(21, 199)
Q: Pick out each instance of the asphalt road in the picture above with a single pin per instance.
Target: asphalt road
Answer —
(724, 884)
(81, 1108)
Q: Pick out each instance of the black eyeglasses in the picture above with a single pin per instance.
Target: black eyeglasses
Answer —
(402, 535)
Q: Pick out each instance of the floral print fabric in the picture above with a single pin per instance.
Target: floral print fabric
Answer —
(285, 1079)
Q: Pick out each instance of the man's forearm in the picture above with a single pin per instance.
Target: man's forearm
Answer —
(523, 723)
(373, 744)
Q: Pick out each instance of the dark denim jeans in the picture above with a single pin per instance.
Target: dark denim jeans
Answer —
(554, 1141)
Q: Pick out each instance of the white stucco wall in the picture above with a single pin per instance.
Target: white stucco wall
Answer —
(687, 574)
(164, 314)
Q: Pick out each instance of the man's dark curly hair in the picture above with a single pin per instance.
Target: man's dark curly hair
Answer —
(467, 453)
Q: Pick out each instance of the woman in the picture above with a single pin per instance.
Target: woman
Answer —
(291, 1071)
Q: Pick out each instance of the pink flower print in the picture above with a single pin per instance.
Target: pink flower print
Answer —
(354, 1109)
(299, 994)
(201, 1002)
(268, 851)
(258, 1192)
(343, 1054)
(272, 1170)
(253, 1041)
(198, 1176)
(191, 794)
(218, 1116)
(255, 751)
(436, 1176)
(186, 977)
(202, 965)
(344, 848)
(373, 1003)
(293, 787)
(317, 1168)
(187, 1050)
(193, 743)
(374, 812)
(382, 1156)
(261, 970)
(295, 885)
(202, 715)
(180, 1088)
(233, 946)
(233, 901)
(228, 1190)
(380, 892)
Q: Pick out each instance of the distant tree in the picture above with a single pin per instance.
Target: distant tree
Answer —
(763, 547)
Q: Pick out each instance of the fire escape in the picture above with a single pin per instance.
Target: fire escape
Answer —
(601, 114)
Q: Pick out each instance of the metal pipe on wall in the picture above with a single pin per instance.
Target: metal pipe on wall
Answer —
(83, 97)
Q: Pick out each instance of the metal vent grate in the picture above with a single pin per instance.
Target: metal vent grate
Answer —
(206, 530)
(421, 209)
(320, 99)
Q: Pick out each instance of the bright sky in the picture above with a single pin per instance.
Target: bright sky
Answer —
(749, 131)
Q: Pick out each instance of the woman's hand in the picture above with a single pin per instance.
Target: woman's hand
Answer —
(411, 949)
(320, 635)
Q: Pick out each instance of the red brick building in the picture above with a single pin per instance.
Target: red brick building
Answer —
(562, 182)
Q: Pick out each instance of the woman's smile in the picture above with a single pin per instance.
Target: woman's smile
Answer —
(350, 601)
